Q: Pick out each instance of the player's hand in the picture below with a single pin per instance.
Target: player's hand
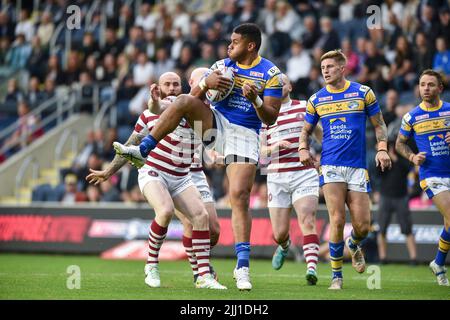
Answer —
(250, 91)
(306, 158)
(281, 145)
(383, 160)
(155, 92)
(419, 158)
(447, 138)
(216, 81)
(96, 176)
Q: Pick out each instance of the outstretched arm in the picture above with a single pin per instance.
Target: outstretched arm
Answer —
(98, 176)
(382, 158)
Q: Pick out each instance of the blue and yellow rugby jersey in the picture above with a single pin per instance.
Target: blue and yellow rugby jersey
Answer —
(343, 114)
(429, 127)
(236, 108)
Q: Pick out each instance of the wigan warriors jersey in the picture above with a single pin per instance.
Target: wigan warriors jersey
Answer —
(288, 126)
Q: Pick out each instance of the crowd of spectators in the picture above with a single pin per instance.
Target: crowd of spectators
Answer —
(125, 46)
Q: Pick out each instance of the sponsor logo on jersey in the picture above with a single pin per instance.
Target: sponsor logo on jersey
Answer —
(331, 174)
(256, 74)
(444, 113)
(300, 116)
(325, 98)
(273, 71)
(447, 122)
(424, 116)
(153, 173)
(350, 95)
(364, 88)
(353, 104)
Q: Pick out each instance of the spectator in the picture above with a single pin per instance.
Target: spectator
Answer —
(112, 44)
(423, 55)
(143, 71)
(181, 19)
(89, 46)
(70, 193)
(298, 68)
(352, 67)
(329, 39)
(311, 32)
(177, 45)
(207, 57)
(6, 26)
(53, 70)
(394, 198)
(249, 12)
(444, 26)
(13, 93)
(401, 71)
(37, 59)
(195, 37)
(108, 69)
(146, 19)
(163, 63)
(34, 96)
(45, 29)
(25, 26)
(389, 112)
(49, 89)
(27, 131)
(441, 61)
(375, 69)
(93, 193)
(266, 17)
(287, 20)
(109, 192)
(18, 54)
(72, 72)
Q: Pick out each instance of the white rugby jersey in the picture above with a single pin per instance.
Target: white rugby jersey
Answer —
(174, 153)
(288, 126)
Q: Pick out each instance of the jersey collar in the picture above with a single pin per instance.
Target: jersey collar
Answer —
(347, 84)
(254, 63)
(433, 108)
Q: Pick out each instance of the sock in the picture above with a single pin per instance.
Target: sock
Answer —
(354, 241)
(155, 240)
(311, 250)
(147, 144)
(242, 250)
(444, 246)
(285, 245)
(336, 256)
(201, 246)
(187, 243)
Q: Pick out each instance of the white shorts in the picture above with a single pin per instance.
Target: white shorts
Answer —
(357, 179)
(199, 180)
(175, 185)
(233, 139)
(435, 185)
(285, 188)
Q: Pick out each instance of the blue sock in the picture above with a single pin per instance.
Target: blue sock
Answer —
(336, 257)
(444, 246)
(354, 241)
(147, 144)
(242, 250)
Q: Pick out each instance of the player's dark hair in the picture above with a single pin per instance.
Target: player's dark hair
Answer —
(251, 32)
(431, 72)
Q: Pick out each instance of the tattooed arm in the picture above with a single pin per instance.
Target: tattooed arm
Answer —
(98, 176)
(382, 158)
(303, 145)
(404, 150)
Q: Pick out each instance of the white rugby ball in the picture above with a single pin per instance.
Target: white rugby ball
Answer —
(215, 95)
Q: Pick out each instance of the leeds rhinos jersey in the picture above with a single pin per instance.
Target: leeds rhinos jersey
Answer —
(429, 128)
(236, 108)
(343, 114)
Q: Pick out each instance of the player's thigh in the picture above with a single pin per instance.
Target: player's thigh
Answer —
(442, 202)
(241, 177)
(199, 115)
(359, 206)
(158, 196)
(280, 219)
(335, 194)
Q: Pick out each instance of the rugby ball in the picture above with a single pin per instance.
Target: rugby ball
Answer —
(215, 95)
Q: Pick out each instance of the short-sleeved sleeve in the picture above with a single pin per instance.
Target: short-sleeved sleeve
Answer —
(311, 114)
(406, 127)
(274, 85)
(370, 100)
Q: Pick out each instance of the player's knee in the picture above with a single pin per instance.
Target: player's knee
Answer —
(338, 222)
(240, 196)
(280, 236)
(200, 219)
(165, 215)
(183, 102)
(308, 220)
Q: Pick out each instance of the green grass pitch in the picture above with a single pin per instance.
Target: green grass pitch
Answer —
(26, 276)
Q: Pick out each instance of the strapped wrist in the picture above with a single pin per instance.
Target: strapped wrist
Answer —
(258, 103)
